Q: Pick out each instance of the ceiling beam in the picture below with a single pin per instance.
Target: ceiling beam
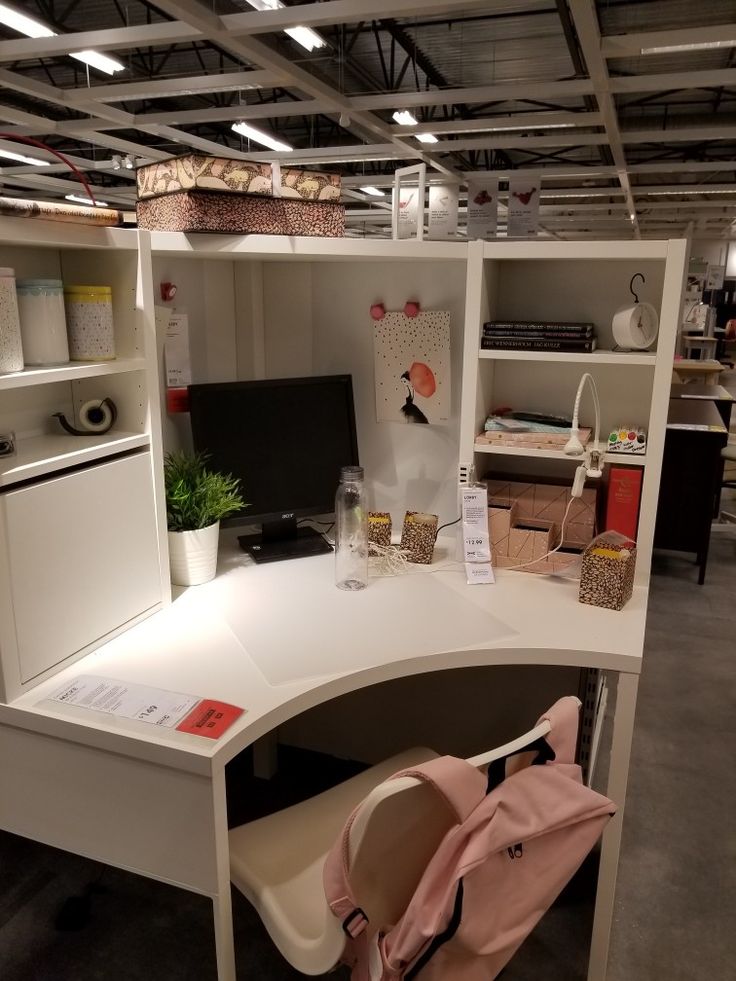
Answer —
(625, 45)
(585, 18)
(164, 88)
(692, 134)
(110, 39)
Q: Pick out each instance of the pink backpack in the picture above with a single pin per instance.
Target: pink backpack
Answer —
(515, 842)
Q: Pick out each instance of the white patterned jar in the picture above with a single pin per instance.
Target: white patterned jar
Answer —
(11, 346)
(89, 323)
(42, 322)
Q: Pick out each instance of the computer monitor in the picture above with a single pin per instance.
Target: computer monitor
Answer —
(286, 440)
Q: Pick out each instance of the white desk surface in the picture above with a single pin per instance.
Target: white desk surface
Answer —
(199, 645)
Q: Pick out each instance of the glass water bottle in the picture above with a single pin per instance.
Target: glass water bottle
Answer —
(351, 530)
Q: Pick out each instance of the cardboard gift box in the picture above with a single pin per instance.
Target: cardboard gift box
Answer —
(240, 214)
(548, 502)
(199, 172)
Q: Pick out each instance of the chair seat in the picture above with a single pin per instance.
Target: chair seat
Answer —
(277, 863)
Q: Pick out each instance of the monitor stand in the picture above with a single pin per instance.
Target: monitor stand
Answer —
(283, 540)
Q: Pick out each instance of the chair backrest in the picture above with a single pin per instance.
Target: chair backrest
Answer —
(400, 826)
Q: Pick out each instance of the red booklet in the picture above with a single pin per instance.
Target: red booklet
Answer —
(623, 499)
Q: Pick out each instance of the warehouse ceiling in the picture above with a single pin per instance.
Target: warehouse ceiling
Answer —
(626, 109)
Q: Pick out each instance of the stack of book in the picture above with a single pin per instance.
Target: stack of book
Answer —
(535, 335)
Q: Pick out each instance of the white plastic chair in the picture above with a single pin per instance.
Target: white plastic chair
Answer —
(277, 861)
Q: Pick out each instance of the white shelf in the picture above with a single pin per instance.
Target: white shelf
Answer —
(37, 456)
(595, 357)
(263, 247)
(630, 459)
(69, 372)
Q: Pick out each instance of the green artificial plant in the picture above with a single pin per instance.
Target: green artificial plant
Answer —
(196, 496)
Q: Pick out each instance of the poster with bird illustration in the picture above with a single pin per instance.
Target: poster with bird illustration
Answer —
(412, 367)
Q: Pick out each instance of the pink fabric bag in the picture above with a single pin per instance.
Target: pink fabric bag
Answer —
(518, 838)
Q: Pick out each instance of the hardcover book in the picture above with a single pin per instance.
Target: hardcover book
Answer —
(511, 343)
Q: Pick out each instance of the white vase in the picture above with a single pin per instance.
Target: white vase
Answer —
(193, 555)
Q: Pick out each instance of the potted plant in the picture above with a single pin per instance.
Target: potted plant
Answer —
(196, 499)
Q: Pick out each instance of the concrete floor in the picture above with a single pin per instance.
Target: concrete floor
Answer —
(677, 887)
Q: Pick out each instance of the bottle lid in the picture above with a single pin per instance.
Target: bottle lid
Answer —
(39, 284)
(351, 473)
(91, 290)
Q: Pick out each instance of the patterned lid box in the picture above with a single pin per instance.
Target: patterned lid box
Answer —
(199, 172)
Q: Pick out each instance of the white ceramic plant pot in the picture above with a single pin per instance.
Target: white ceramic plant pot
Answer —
(193, 555)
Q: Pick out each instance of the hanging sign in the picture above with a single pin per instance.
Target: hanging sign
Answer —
(443, 211)
(523, 213)
(714, 279)
(482, 208)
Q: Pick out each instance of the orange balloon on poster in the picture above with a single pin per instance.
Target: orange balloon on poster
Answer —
(422, 378)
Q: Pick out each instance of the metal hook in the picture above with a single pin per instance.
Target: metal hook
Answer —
(631, 286)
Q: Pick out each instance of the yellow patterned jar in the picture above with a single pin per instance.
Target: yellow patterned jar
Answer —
(89, 323)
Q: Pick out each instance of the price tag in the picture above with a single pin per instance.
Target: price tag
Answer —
(476, 538)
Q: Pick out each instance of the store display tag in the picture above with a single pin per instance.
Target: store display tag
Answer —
(476, 537)
(188, 713)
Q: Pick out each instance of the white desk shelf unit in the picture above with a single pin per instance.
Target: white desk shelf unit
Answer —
(275, 307)
(46, 469)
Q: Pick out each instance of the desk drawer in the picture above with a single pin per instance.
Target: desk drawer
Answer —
(79, 558)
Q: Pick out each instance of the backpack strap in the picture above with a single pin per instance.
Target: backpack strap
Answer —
(460, 786)
(564, 718)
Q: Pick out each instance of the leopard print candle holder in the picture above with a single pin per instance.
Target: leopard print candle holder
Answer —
(379, 530)
(607, 576)
(418, 536)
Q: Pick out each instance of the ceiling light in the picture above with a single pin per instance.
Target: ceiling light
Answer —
(373, 191)
(404, 118)
(88, 201)
(251, 133)
(31, 27)
(426, 137)
(695, 46)
(304, 36)
(20, 158)
(684, 190)
(102, 62)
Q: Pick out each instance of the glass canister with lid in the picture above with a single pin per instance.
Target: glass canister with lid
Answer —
(89, 323)
(42, 321)
(11, 347)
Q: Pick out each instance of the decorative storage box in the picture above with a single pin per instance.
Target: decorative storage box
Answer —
(548, 501)
(223, 174)
(43, 321)
(197, 193)
(240, 214)
(607, 577)
(379, 528)
(89, 323)
(11, 348)
(418, 536)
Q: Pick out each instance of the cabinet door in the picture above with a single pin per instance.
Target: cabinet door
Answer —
(82, 558)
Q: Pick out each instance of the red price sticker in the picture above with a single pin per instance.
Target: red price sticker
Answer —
(210, 719)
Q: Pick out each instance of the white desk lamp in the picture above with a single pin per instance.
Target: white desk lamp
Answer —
(574, 447)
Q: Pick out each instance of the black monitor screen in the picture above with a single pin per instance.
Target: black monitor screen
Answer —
(286, 439)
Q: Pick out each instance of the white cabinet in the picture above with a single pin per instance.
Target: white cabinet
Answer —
(80, 560)
(82, 540)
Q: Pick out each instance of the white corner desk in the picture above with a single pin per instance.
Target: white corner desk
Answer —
(276, 640)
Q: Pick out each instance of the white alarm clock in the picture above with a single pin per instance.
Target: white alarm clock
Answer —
(635, 326)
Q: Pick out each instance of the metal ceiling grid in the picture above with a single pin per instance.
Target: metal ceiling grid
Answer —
(625, 132)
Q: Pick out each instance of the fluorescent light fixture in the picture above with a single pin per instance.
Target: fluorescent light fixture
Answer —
(404, 118)
(426, 137)
(88, 201)
(695, 46)
(20, 158)
(251, 133)
(304, 36)
(31, 27)
(684, 190)
(373, 191)
(102, 62)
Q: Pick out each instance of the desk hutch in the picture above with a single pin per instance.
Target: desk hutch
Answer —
(83, 553)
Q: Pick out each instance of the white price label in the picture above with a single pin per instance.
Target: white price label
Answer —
(476, 538)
